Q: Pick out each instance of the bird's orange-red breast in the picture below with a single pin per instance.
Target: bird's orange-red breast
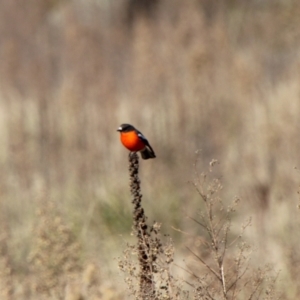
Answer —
(135, 141)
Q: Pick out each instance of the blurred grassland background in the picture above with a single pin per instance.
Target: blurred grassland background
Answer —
(221, 77)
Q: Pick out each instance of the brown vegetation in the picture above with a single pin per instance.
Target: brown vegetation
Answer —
(219, 76)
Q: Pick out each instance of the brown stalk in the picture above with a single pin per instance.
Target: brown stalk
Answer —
(145, 256)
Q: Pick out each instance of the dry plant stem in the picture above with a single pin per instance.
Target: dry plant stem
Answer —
(211, 226)
(147, 289)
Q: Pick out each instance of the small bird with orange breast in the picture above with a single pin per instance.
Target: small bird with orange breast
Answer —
(135, 141)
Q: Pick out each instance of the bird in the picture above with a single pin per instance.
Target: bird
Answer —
(135, 141)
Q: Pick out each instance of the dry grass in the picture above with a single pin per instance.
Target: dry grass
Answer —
(219, 258)
(222, 77)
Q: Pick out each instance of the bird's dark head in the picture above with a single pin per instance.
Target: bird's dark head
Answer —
(125, 128)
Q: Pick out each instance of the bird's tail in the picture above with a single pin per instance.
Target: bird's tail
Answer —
(148, 153)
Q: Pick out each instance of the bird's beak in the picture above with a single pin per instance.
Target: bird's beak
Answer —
(119, 129)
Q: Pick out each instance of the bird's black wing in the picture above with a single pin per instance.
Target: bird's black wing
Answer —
(142, 137)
